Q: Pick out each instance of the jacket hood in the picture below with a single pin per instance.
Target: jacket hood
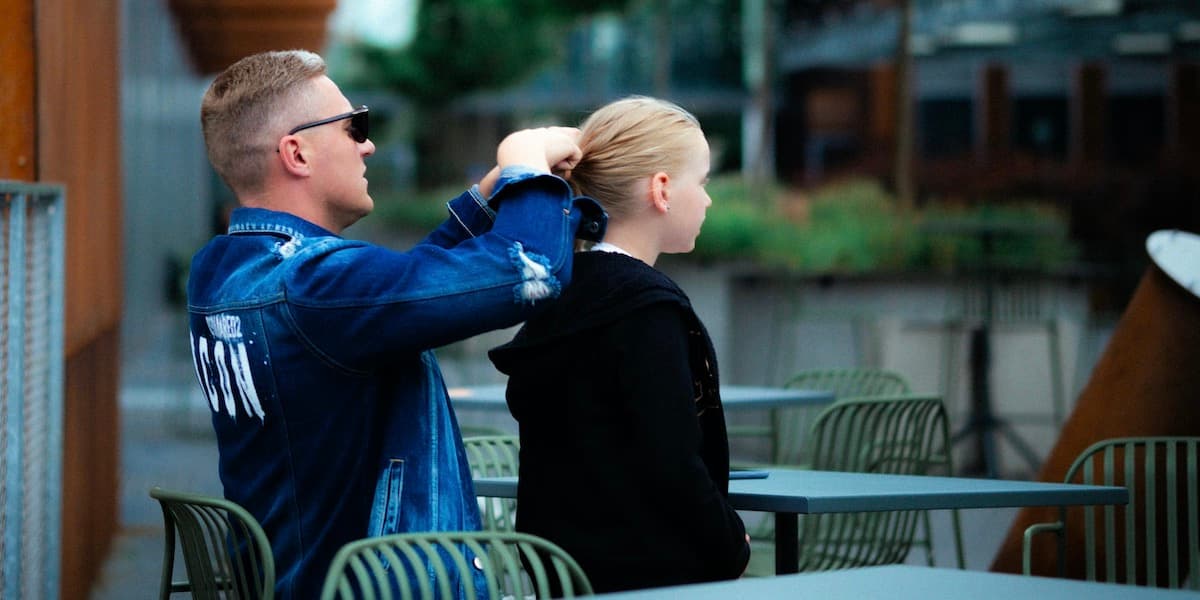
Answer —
(605, 287)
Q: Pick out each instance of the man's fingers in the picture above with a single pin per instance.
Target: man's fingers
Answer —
(569, 162)
(571, 133)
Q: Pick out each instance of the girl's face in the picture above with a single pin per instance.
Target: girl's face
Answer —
(688, 199)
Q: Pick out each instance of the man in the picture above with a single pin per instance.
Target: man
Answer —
(331, 415)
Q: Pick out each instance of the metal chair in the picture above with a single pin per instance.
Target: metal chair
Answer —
(899, 434)
(495, 456)
(1152, 541)
(787, 428)
(225, 550)
(790, 426)
(480, 564)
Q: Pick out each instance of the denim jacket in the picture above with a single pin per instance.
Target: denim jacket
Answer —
(314, 353)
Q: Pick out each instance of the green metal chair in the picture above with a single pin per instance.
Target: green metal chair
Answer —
(434, 565)
(898, 434)
(225, 550)
(1152, 541)
(787, 428)
(790, 426)
(495, 456)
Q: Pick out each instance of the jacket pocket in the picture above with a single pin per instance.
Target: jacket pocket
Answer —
(385, 510)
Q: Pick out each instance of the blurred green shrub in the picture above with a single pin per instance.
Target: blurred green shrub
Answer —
(849, 227)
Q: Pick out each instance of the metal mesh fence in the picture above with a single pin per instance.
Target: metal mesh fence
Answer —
(31, 353)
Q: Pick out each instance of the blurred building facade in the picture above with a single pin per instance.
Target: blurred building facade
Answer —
(1090, 105)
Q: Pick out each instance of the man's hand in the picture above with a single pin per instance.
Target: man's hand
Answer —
(548, 149)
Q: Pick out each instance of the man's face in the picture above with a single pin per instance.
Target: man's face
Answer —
(338, 169)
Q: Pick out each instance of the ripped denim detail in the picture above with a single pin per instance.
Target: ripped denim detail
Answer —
(286, 249)
(537, 282)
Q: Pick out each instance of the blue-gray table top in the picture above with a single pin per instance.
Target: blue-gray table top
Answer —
(812, 492)
(733, 397)
(904, 582)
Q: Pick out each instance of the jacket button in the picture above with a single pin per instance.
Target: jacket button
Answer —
(593, 226)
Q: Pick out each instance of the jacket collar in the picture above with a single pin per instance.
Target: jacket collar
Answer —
(261, 220)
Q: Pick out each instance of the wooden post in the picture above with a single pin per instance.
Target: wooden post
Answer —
(17, 89)
(882, 105)
(1183, 110)
(905, 131)
(993, 120)
(1088, 115)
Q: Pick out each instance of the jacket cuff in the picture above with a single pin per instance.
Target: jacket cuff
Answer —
(509, 175)
(472, 212)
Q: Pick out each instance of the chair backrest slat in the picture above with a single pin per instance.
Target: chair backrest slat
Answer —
(1193, 503)
(495, 456)
(1172, 491)
(452, 564)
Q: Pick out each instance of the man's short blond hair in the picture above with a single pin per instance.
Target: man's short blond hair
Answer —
(244, 112)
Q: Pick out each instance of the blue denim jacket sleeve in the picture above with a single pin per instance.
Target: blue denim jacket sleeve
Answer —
(470, 216)
(356, 304)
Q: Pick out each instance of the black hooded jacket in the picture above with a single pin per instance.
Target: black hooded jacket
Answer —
(624, 455)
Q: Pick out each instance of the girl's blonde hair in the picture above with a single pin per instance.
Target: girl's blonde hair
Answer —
(627, 140)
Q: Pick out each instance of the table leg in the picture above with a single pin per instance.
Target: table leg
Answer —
(787, 543)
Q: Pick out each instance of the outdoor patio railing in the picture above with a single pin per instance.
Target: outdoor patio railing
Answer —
(32, 259)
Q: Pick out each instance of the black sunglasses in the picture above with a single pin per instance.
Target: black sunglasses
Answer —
(359, 123)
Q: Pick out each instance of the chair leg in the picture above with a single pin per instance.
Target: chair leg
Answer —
(168, 570)
(956, 524)
(1056, 375)
(958, 541)
(928, 542)
(950, 366)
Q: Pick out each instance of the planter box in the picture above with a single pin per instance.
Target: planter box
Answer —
(219, 32)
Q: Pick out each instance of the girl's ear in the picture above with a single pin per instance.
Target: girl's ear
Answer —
(660, 184)
(291, 155)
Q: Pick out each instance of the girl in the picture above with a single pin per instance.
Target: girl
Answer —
(624, 455)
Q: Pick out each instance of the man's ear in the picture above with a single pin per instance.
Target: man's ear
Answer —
(291, 155)
(659, 192)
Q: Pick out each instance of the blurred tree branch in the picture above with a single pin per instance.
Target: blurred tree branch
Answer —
(462, 46)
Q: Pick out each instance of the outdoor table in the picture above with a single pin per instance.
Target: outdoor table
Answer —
(791, 492)
(733, 397)
(904, 582)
